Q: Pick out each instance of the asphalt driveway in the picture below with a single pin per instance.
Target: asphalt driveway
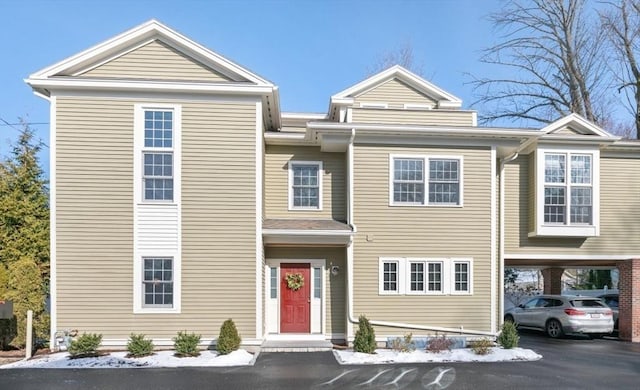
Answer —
(572, 363)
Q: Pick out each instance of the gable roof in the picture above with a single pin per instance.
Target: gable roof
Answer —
(577, 125)
(236, 79)
(442, 97)
(143, 34)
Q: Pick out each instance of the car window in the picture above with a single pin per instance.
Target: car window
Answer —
(557, 303)
(532, 303)
(611, 302)
(587, 303)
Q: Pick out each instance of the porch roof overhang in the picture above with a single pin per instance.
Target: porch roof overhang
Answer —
(303, 232)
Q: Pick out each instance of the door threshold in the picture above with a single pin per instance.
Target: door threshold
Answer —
(296, 336)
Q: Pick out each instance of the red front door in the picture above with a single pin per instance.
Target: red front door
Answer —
(295, 314)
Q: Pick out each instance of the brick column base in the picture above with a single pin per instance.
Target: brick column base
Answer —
(552, 280)
(629, 301)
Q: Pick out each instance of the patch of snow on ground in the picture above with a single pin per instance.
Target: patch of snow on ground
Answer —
(383, 356)
(118, 360)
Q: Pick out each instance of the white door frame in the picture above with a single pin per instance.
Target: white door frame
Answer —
(272, 312)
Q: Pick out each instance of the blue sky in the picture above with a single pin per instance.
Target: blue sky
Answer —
(310, 49)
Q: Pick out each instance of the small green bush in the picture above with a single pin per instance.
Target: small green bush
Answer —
(85, 345)
(365, 340)
(186, 344)
(482, 346)
(404, 344)
(439, 344)
(229, 339)
(139, 346)
(508, 338)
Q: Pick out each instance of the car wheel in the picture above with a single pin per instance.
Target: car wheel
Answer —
(554, 329)
(509, 318)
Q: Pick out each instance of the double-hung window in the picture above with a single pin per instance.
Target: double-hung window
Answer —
(390, 277)
(444, 181)
(305, 185)
(425, 180)
(461, 277)
(157, 155)
(567, 196)
(157, 282)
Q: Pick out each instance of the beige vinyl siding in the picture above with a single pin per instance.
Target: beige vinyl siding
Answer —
(277, 182)
(156, 60)
(435, 117)
(94, 215)
(94, 219)
(335, 293)
(619, 212)
(422, 232)
(395, 93)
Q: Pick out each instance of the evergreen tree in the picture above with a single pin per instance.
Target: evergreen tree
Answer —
(24, 231)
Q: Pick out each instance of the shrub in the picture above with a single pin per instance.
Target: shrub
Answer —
(229, 339)
(365, 340)
(139, 346)
(186, 344)
(439, 344)
(482, 346)
(404, 344)
(508, 338)
(85, 345)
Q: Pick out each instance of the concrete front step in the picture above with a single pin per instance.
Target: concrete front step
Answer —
(296, 346)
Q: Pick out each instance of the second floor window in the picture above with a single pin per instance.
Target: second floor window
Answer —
(568, 188)
(419, 181)
(305, 182)
(157, 156)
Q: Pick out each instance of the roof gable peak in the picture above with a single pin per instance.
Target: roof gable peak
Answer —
(578, 124)
(443, 98)
(144, 33)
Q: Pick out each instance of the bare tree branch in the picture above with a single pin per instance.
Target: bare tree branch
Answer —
(621, 22)
(552, 57)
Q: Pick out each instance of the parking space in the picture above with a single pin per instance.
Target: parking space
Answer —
(567, 363)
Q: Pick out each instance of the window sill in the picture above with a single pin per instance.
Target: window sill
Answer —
(451, 206)
(156, 311)
(565, 231)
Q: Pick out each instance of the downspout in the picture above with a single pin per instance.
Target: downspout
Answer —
(350, 220)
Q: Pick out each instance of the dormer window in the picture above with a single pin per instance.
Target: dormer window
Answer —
(566, 192)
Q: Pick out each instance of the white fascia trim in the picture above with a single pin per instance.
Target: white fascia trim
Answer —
(259, 204)
(494, 238)
(290, 166)
(443, 130)
(133, 85)
(152, 28)
(533, 256)
(320, 233)
(53, 191)
(303, 115)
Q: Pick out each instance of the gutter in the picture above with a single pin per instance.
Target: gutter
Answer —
(350, 317)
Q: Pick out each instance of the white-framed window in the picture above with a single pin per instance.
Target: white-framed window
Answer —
(305, 185)
(445, 181)
(461, 273)
(157, 160)
(157, 154)
(425, 180)
(425, 276)
(157, 282)
(408, 181)
(390, 277)
(567, 194)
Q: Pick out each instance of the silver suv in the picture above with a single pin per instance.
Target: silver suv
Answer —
(563, 314)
